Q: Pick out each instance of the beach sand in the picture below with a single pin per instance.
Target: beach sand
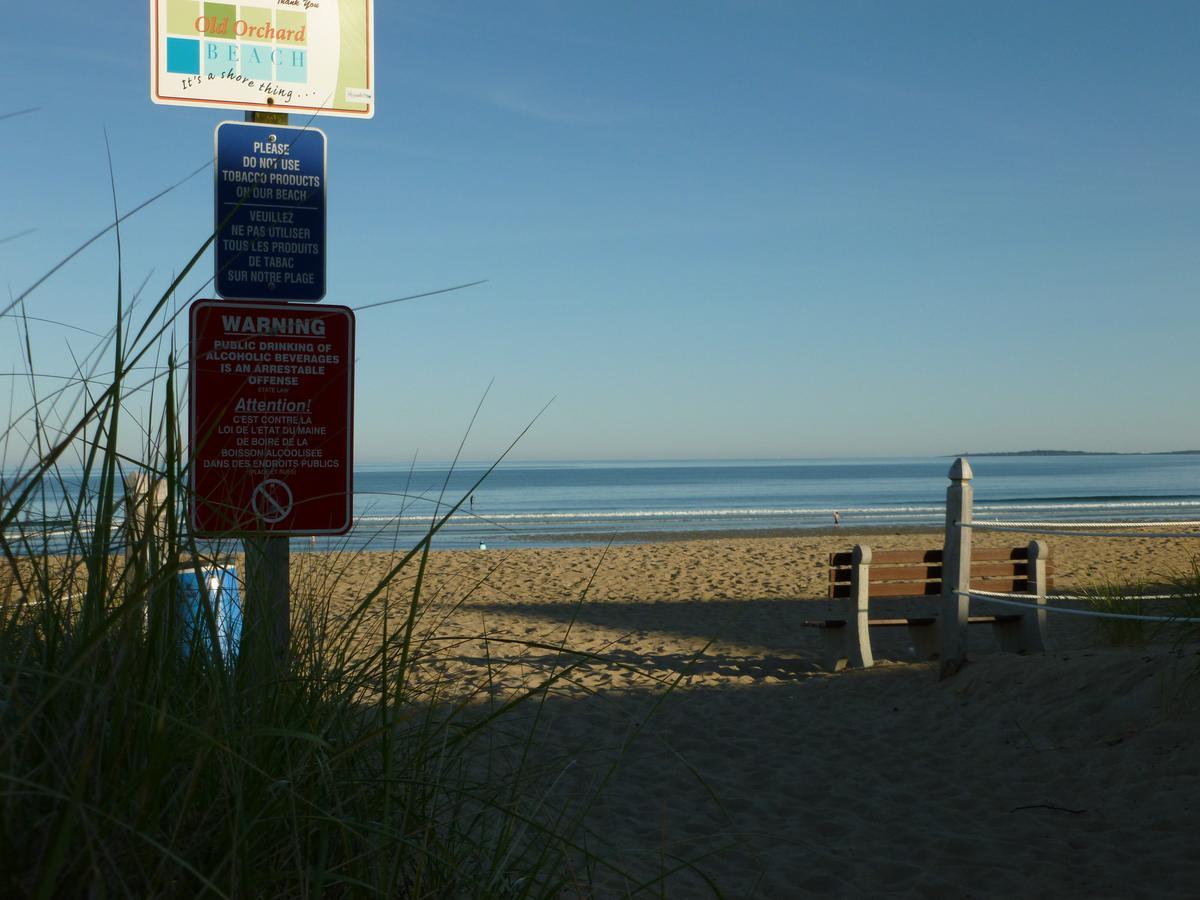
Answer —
(703, 737)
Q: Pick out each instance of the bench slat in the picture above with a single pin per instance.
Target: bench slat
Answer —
(934, 588)
(884, 623)
(890, 573)
(1014, 569)
(885, 557)
(905, 573)
(994, 554)
(845, 558)
(911, 589)
(927, 573)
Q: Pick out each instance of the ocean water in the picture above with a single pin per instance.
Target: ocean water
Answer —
(547, 504)
(526, 504)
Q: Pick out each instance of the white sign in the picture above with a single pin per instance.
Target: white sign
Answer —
(287, 56)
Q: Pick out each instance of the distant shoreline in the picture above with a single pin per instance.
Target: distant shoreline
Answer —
(713, 534)
(1077, 453)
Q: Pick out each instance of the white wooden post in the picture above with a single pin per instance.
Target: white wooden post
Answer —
(956, 569)
(137, 493)
(137, 501)
(858, 613)
(144, 498)
(1033, 623)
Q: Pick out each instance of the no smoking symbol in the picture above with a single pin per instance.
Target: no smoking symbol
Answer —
(272, 501)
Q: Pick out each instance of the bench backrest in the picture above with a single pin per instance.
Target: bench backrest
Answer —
(915, 573)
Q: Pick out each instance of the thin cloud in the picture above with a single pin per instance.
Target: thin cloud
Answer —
(558, 111)
(92, 55)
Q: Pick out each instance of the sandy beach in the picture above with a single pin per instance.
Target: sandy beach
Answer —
(699, 737)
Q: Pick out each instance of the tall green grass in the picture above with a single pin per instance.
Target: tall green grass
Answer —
(129, 768)
(1122, 599)
(1185, 585)
(1178, 608)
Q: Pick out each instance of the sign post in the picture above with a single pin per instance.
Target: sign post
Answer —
(271, 434)
(267, 617)
(271, 387)
(269, 559)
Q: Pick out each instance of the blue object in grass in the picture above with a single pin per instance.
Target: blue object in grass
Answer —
(219, 603)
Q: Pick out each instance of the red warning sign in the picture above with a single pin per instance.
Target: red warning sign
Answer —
(272, 418)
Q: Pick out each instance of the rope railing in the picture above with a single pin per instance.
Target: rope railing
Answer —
(1090, 598)
(961, 525)
(1182, 523)
(1074, 529)
(1006, 600)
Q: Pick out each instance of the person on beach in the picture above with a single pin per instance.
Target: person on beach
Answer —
(837, 518)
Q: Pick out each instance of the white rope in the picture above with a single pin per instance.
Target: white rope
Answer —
(1003, 600)
(1073, 529)
(1091, 598)
(998, 524)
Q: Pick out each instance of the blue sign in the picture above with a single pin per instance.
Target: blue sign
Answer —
(270, 212)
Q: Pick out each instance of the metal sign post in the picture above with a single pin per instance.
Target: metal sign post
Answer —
(266, 619)
(268, 559)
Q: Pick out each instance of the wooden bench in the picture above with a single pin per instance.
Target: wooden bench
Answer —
(888, 588)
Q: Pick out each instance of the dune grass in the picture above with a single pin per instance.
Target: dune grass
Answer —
(129, 767)
(1171, 605)
(1122, 599)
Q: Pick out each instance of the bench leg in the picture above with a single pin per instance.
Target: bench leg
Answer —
(858, 639)
(1022, 634)
(1008, 634)
(834, 637)
(924, 637)
(1033, 629)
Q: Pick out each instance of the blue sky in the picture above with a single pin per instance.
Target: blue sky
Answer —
(713, 229)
